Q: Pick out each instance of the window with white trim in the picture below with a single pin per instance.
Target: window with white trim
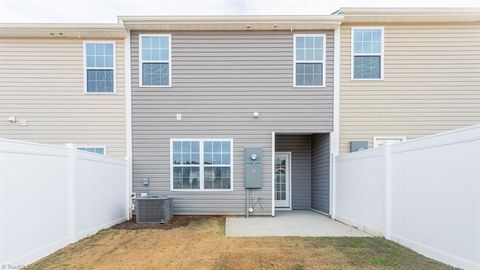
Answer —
(155, 60)
(93, 149)
(99, 67)
(367, 53)
(381, 141)
(309, 66)
(201, 164)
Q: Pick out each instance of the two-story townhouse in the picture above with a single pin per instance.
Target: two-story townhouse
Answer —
(64, 83)
(407, 73)
(231, 113)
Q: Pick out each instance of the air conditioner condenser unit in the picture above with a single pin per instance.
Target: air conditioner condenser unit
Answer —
(153, 209)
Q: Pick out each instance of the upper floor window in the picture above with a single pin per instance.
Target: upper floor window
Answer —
(155, 60)
(99, 67)
(309, 66)
(367, 53)
(201, 164)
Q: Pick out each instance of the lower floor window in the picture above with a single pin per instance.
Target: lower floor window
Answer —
(93, 149)
(186, 177)
(201, 164)
(381, 141)
(217, 177)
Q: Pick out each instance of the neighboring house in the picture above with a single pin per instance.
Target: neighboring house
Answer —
(416, 72)
(204, 106)
(45, 95)
(204, 89)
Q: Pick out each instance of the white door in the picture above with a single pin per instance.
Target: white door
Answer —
(282, 180)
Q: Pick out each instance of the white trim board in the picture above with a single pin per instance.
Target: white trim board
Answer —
(273, 173)
(334, 136)
(128, 118)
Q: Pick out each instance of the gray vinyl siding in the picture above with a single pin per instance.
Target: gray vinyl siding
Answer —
(218, 80)
(321, 172)
(299, 146)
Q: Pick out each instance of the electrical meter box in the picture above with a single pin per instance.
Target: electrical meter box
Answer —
(253, 168)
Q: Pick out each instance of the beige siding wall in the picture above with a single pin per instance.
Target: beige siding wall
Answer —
(41, 81)
(431, 84)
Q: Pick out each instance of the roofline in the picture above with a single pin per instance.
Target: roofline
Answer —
(232, 23)
(61, 30)
(61, 25)
(403, 10)
(343, 15)
(232, 18)
(410, 15)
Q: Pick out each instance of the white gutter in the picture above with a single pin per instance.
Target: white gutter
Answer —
(230, 23)
(410, 15)
(232, 18)
(61, 30)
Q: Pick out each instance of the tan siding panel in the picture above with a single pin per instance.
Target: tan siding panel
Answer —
(431, 84)
(41, 80)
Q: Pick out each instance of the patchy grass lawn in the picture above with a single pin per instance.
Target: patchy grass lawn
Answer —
(202, 245)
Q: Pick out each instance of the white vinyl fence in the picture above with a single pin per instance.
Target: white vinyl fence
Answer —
(424, 194)
(51, 196)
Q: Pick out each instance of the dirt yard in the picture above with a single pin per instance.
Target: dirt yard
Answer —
(199, 243)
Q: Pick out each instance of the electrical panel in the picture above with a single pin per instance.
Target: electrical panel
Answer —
(253, 168)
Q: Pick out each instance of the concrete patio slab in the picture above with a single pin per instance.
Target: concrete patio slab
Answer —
(289, 223)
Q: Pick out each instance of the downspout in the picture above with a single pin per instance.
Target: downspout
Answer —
(335, 134)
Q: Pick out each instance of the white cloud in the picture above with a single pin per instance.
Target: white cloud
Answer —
(107, 10)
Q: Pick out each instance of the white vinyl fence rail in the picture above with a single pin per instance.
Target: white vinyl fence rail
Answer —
(424, 194)
(51, 196)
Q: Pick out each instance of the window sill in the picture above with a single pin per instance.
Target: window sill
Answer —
(155, 86)
(201, 190)
(352, 79)
(309, 86)
(100, 93)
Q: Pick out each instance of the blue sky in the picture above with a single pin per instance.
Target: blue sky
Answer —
(103, 11)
